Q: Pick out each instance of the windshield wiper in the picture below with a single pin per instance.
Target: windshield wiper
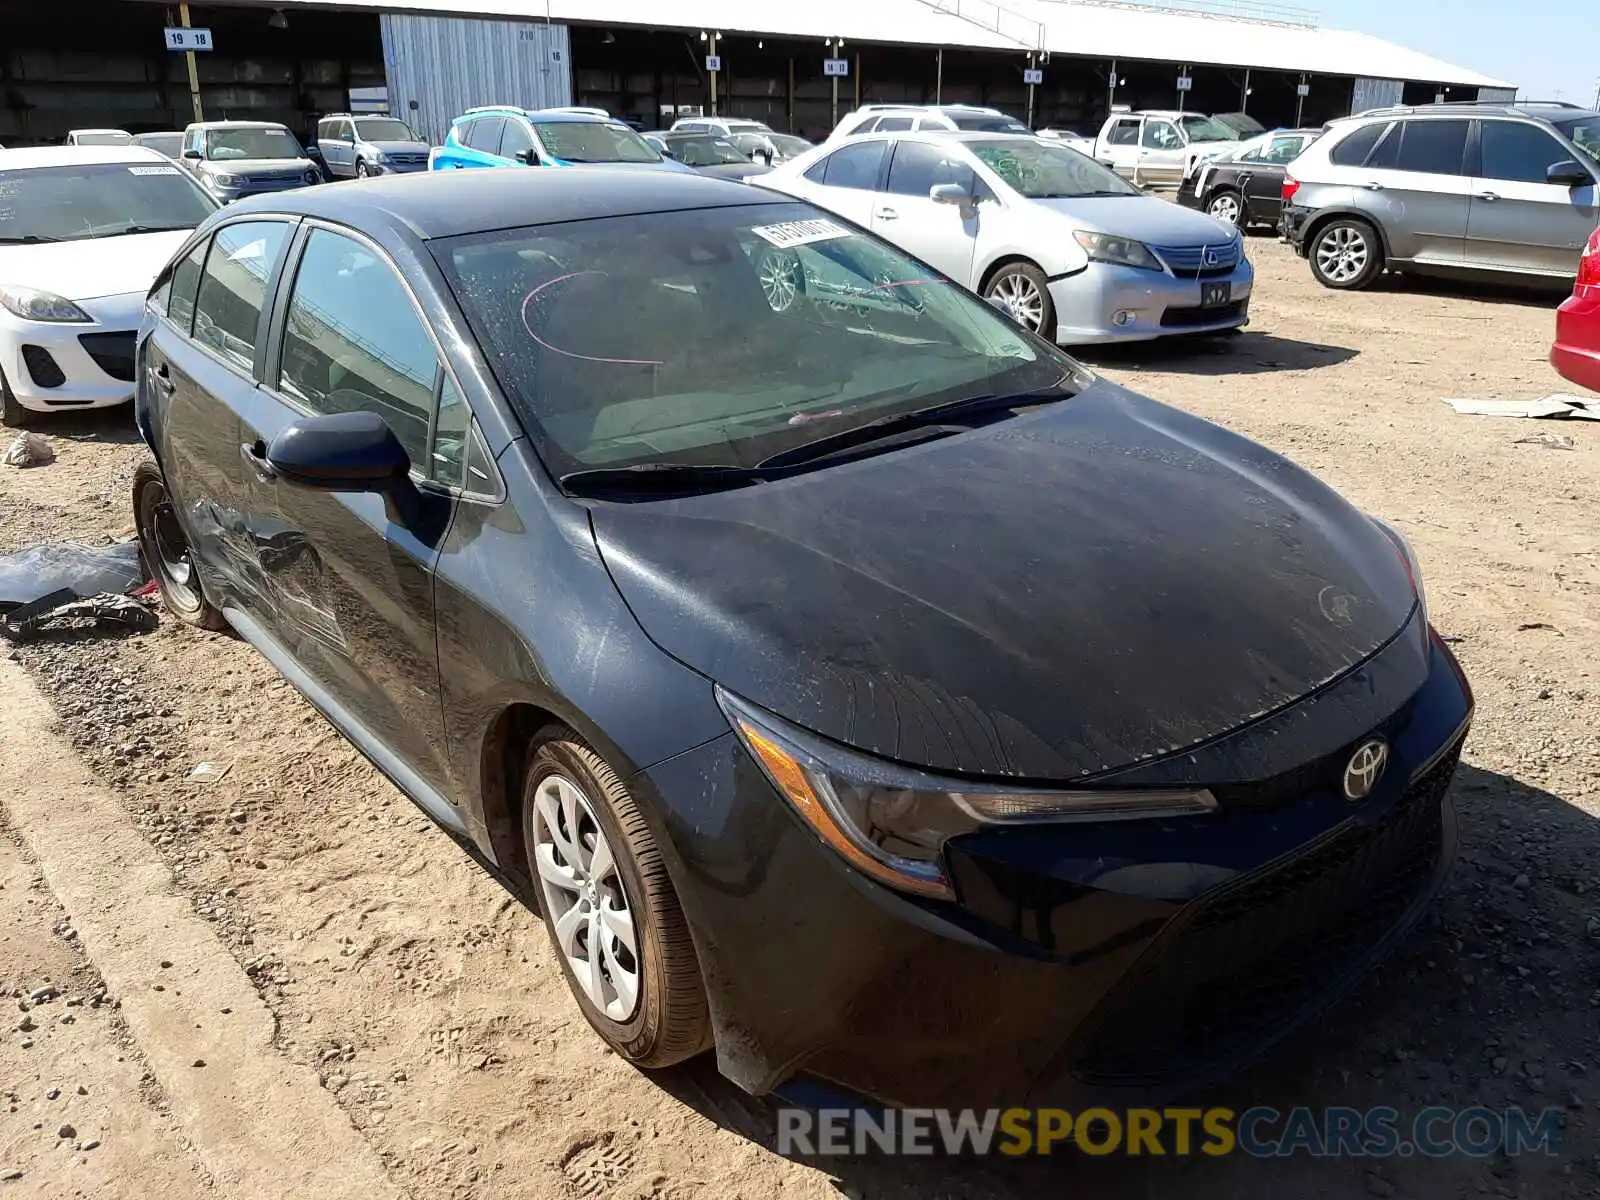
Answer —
(956, 412)
(657, 478)
(127, 229)
(26, 239)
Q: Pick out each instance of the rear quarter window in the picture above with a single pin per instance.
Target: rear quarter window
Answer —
(1353, 149)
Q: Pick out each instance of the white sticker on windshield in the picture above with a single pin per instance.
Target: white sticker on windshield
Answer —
(800, 233)
(152, 170)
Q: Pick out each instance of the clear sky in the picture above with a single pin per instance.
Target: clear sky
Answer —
(1551, 48)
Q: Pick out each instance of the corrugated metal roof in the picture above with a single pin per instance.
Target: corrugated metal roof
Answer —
(1098, 30)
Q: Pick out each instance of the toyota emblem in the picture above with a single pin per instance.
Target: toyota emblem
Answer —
(1365, 768)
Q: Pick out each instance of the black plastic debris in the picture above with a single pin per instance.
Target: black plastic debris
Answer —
(55, 582)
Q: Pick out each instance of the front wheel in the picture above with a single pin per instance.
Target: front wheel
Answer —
(361, 170)
(166, 552)
(1021, 291)
(1227, 207)
(613, 917)
(1345, 254)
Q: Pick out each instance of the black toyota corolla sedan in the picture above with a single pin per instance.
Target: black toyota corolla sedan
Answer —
(856, 684)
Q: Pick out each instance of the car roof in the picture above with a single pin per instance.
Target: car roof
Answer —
(1547, 112)
(70, 132)
(439, 204)
(158, 133)
(77, 156)
(235, 125)
(543, 115)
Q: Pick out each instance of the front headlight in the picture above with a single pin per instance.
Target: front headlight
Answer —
(221, 179)
(31, 304)
(891, 822)
(1121, 251)
(378, 156)
(1408, 559)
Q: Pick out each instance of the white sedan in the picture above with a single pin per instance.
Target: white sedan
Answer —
(83, 234)
(1070, 249)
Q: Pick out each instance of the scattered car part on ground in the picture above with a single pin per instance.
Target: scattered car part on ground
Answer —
(1496, 189)
(83, 234)
(44, 585)
(1069, 249)
(690, 407)
(28, 450)
(1576, 353)
(1543, 407)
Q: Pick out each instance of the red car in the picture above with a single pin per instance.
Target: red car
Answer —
(1576, 353)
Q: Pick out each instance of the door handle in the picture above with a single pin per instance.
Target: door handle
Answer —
(886, 214)
(1488, 196)
(1374, 186)
(164, 380)
(255, 457)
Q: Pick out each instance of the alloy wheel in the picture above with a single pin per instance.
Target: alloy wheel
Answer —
(1343, 254)
(585, 899)
(780, 276)
(1017, 294)
(1225, 208)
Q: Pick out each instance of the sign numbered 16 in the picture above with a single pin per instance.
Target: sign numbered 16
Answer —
(836, 68)
(1032, 76)
(189, 39)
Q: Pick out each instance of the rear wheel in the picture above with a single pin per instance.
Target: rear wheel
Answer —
(613, 917)
(12, 413)
(1021, 290)
(166, 552)
(1345, 254)
(1226, 206)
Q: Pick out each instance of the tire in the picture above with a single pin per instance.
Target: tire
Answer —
(1020, 290)
(361, 170)
(783, 279)
(649, 1004)
(12, 413)
(1227, 206)
(165, 548)
(1345, 254)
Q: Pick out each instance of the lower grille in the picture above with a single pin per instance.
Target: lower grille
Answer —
(112, 352)
(1188, 318)
(44, 369)
(1250, 959)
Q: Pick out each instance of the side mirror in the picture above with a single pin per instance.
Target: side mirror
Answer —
(194, 154)
(953, 194)
(528, 158)
(340, 452)
(1568, 173)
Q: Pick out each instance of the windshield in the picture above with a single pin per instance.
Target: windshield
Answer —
(747, 127)
(225, 144)
(1243, 124)
(1043, 171)
(69, 204)
(1204, 129)
(989, 124)
(706, 151)
(170, 144)
(788, 145)
(722, 335)
(594, 142)
(103, 137)
(1585, 134)
(384, 130)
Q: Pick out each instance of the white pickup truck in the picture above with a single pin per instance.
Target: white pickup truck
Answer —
(1160, 146)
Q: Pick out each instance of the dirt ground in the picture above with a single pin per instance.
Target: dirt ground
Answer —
(411, 989)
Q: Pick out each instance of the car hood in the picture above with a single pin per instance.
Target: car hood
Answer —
(666, 164)
(399, 147)
(731, 170)
(1066, 592)
(94, 267)
(1146, 218)
(270, 167)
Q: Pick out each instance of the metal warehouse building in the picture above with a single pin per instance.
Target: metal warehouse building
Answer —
(66, 64)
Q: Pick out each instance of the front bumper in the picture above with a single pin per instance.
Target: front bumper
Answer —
(93, 362)
(1576, 353)
(249, 188)
(398, 168)
(1115, 962)
(1152, 304)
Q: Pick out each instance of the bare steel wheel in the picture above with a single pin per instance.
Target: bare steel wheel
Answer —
(1225, 207)
(1345, 254)
(613, 916)
(1021, 290)
(167, 554)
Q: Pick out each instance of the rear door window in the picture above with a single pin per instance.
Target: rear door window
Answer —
(1353, 150)
(233, 287)
(918, 168)
(1160, 135)
(1125, 132)
(178, 296)
(1518, 153)
(1434, 147)
(856, 166)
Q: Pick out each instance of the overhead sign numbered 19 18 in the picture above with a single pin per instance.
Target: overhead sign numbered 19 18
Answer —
(1032, 76)
(837, 68)
(182, 38)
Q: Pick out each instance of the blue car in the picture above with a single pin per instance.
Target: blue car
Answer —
(502, 136)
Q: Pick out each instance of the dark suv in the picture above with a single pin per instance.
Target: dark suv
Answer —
(1500, 188)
